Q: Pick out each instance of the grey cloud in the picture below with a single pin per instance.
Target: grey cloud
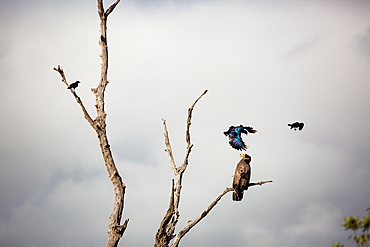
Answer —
(302, 47)
(364, 42)
(162, 58)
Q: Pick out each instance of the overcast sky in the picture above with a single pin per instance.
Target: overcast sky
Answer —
(265, 64)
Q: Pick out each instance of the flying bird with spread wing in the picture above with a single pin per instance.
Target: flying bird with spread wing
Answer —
(296, 125)
(241, 177)
(73, 85)
(234, 134)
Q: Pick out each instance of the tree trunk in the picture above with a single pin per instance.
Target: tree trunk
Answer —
(115, 230)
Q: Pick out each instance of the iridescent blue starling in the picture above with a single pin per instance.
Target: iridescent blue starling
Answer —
(234, 134)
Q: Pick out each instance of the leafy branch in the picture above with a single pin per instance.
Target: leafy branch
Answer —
(354, 224)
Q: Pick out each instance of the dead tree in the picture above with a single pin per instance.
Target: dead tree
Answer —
(166, 231)
(115, 230)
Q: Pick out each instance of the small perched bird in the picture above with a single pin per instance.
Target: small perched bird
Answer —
(73, 85)
(296, 125)
(241, 177)
(234, 134)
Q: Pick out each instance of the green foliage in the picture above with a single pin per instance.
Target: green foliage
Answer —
(354, 224)
(337, 245)
(366, 221)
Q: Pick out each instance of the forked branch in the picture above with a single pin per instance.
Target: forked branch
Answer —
(116, 229)
(59, 69)
(167, 227)
(192, 223)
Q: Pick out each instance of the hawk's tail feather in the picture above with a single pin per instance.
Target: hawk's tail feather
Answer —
(237, 196)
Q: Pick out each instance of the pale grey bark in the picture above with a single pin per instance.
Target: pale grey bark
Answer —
(115, 229)
(168, 225)
(166, 231)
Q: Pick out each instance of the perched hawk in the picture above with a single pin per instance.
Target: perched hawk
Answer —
(73, 85)
(241, 177)
(234, 134)
(296, 126)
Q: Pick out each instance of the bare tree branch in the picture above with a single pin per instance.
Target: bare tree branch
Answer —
(189, 145)
(115, 230)
(59, 69)
(190, 114)
(192, 223)
(167, 228)
(181, 170)
(168, 146)
(259, 183)
(111, 8)
(164, 234)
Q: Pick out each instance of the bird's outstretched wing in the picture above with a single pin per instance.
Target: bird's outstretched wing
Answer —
(293, 125)
(226, 133)
(300, 127)
(248, 129)
(234, 134)
(237, 143)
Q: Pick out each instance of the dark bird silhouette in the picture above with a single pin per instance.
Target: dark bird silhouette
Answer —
(234, 134)
(73, 85)
(241, 177)
(296, 126)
